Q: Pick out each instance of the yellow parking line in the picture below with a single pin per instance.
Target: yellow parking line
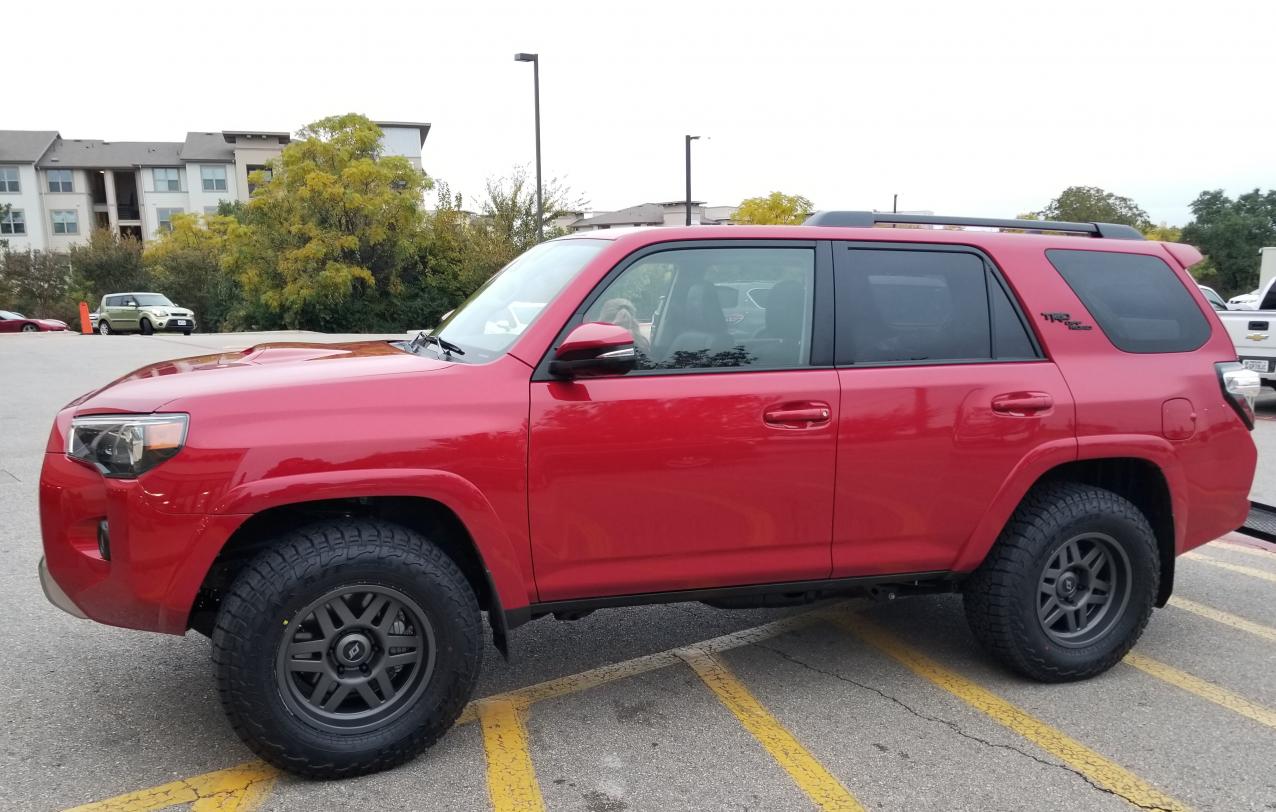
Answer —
(237, 789)
(1095, 767)
(1252, 572)
(1205, 690)
(1226, 618)
(178, 792)
(511, 778)
(805, 770)
(1232, 547)
(611, 672)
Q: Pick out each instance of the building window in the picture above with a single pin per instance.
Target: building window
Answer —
(60, 180)
(210, 210)
(65, 221)
(9, 179)
(167, 179)
(266, 176)
(13, 223)
(165, 217)
(213, 177)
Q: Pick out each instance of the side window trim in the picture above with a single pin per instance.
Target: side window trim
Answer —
(992, 274)
(822, 332)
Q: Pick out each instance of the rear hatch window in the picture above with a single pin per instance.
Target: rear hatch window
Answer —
(1137, 300)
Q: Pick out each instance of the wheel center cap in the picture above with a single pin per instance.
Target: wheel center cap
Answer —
(354, 649)
(1068, 584)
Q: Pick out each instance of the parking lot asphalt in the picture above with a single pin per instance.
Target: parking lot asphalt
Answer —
(845, 705)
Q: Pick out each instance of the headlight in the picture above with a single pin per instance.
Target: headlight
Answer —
(125, 446)
(161, 312)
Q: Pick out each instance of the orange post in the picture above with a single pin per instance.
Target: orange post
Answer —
(86, 325)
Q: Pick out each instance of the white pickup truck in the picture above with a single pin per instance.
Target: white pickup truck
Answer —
(1253, 331)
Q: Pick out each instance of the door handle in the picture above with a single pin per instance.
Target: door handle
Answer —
(1022, 404)
(798, 417)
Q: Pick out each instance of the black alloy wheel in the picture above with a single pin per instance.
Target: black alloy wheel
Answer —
(356, 658)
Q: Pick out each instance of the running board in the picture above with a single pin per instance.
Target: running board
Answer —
(1261, 522)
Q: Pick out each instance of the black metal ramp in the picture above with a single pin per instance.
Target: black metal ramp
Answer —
(1261, 522)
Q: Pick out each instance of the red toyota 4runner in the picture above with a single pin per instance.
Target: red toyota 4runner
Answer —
(743, 416)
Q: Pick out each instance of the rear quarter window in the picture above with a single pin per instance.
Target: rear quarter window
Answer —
(1137, 300)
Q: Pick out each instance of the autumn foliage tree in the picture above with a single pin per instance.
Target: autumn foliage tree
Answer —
(776, 208)
(332, 235)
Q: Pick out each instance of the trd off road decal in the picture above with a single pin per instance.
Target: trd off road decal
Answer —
(1067, 320)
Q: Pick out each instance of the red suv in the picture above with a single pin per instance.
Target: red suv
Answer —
(1041, 421)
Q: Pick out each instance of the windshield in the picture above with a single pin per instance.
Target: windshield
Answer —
(489, 321)
(6, 315)
(152, 300)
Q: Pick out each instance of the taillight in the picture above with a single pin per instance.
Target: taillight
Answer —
(1240, 387)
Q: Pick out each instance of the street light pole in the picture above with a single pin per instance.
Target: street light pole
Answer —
(536, 92)
(689, 139)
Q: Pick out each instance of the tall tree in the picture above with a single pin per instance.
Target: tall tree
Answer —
(1229, 233)
(776, 208)
(107, 263)
(509, 209)
(1090, 204)
(332, 234)
(186, 264)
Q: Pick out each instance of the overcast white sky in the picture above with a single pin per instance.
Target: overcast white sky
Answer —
(979, 108)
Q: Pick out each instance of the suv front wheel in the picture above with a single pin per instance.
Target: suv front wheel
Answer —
(1067, 589)
(346, 647)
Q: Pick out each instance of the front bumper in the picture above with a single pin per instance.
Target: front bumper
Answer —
(54, 593)
(158, 558)
(175, 325)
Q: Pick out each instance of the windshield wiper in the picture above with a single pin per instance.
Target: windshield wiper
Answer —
(449, 349)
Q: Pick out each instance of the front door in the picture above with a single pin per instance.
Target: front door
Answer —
(944, 392)
(712, 463)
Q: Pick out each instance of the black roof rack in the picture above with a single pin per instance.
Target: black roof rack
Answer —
(868, 219)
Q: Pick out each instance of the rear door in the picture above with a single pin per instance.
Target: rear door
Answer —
(944, 390)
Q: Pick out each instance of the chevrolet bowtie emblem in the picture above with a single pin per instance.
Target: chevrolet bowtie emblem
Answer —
(1256, 337)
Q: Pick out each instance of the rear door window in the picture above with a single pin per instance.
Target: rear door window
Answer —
(900, 306)
(1137, 300)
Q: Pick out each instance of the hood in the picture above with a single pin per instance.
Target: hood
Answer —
(255, 369)
(171, 310)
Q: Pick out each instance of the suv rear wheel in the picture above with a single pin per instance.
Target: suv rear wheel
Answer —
(347, 647)
(1068, 588)
(103, 328)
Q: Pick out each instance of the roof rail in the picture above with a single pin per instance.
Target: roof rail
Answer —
(868, 219)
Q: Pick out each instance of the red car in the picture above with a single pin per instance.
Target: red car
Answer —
(11, 322)
(1040, 421)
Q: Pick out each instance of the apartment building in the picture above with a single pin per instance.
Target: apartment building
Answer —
(59, 189)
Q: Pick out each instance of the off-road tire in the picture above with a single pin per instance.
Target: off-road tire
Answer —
(145, 326)
(1001, 596)
(298, 568)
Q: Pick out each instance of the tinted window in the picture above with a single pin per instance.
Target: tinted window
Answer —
(912, 306)
(1009, 335)
(685, 311)
(1136, 299)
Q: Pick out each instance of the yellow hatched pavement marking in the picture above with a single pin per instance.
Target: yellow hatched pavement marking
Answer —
(252, 782)
(1226, 618)
(511, 778)
(1205, 690)
(1232, 547)
(238, 789)
(1095, 767)
(805, 770)
(1253, 572)
(604, 674)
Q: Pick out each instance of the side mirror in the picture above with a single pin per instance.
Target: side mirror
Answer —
(594, 349)
(131, 303)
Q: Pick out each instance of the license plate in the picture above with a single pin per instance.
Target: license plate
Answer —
(1256, 365)
(182, 323)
